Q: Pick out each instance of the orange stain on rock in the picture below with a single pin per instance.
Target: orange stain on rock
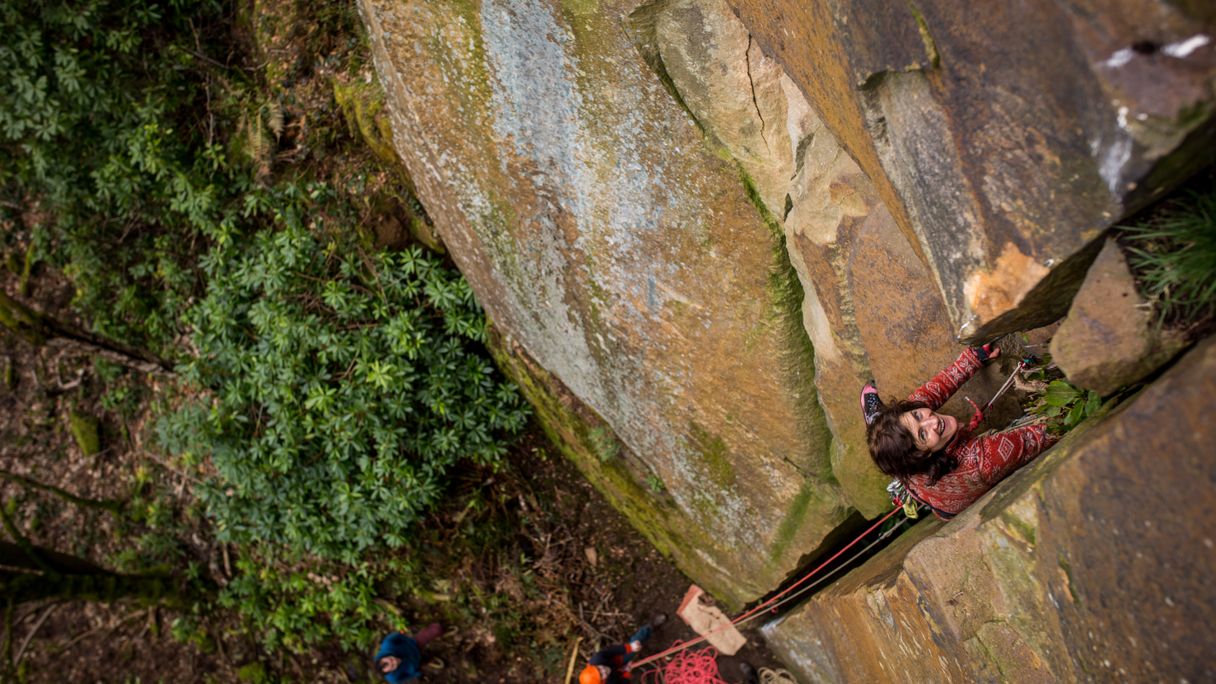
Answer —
(993, 292)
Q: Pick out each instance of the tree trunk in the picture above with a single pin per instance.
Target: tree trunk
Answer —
(38, 329)
(51, 574)
(38, 559)
(105, 587)
(113, 505)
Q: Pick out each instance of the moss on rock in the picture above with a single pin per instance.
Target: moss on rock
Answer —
(86, 431)
(584, 438)
(362, 106)
(713, 455)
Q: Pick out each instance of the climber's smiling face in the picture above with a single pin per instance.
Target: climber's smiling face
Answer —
(931, 431)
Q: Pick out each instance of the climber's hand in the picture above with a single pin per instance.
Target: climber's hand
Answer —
(987, 352)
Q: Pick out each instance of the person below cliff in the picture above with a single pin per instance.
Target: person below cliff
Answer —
(940, 463)
(400, 656)
(611, 665)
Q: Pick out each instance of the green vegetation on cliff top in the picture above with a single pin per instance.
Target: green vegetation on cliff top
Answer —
(180, 166)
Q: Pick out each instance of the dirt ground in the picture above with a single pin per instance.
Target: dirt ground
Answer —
(557, 566)
(602, 603)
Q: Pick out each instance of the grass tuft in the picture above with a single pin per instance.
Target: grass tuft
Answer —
(1173, 254)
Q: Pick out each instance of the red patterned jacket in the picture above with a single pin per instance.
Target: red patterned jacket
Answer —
(983, 461)
(615, 658)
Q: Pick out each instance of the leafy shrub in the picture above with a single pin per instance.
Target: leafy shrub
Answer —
(328, 392)
(297, 604)
(337, 390)
(96, 95)
(1065, 405)
(105, 156)
(345, 387)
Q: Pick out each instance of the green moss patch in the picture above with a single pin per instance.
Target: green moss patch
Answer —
(362, 106)
(573, 428)
(86, 431)
(714, 455)
(792, 521)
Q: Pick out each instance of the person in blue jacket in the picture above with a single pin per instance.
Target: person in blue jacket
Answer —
(400, 656)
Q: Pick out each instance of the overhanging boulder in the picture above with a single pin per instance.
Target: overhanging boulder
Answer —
(1005, 137)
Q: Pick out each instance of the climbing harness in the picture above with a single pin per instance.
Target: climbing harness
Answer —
(900, 496)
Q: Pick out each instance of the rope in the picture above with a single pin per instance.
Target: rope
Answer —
(836, 569)
(1005, 387)
(701, 667)
(772, 602)
(694, 667)
(768, 676)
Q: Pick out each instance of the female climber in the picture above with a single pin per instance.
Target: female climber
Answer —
(938, 461)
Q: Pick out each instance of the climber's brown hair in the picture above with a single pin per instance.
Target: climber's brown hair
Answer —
(894, 449)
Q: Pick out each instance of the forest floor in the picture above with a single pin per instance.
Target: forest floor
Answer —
(553, 566)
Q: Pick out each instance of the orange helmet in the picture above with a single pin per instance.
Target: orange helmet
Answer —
(590, 675)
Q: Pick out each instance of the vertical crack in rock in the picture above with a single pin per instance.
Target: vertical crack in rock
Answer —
(747, 56)
(800, 153)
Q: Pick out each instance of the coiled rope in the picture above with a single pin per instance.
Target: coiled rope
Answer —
(701, 667)
(687, 667)
(768, 676)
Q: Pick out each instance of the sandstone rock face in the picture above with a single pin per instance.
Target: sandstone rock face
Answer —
(1005, 164)
(807, 185)
(842, 240)
(658, 220)
(1109, 338)
(1090, 564)
(624, 260)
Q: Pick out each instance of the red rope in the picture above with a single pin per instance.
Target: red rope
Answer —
(749, 614)
(690, 667)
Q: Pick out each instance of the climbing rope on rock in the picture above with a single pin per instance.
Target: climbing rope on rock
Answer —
(784, 596)
(768, 676)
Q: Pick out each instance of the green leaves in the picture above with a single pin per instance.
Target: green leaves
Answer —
(1066, 405)
(1093, 402)
(96, 132)
(1060, 393)
(345, 392)
(329, 394)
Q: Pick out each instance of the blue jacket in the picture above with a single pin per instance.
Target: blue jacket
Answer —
(401, 646)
